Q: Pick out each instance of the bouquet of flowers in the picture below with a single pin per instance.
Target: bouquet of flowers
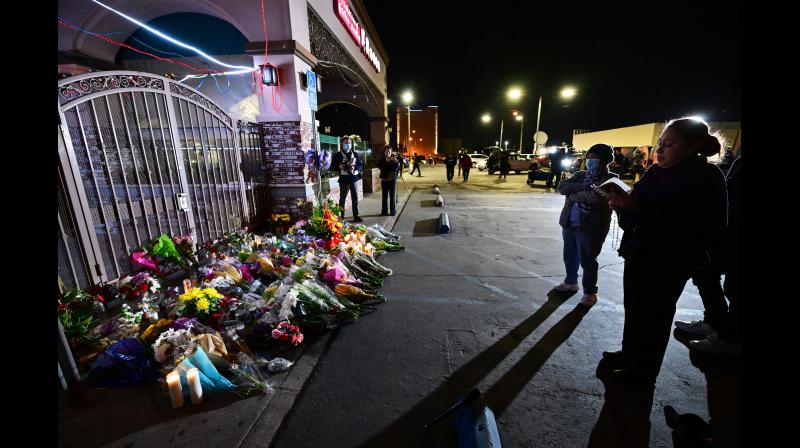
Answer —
(79, 311)
(286, 332)
(201, 303)
(185, 246)
(137, 286)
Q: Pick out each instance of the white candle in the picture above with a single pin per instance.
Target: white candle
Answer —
(187, 285)
(195, 388)
(175, 390)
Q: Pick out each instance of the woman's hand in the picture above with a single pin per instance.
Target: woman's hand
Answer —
(621, 201)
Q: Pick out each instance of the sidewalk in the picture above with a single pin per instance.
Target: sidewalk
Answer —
(143, 416)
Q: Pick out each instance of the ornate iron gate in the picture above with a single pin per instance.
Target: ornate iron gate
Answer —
(136, 145)
(255, 173)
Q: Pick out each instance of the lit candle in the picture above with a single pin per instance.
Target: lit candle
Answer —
(187, 285)
(195, 388)
(175, 390)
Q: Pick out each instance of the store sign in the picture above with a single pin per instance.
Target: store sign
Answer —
(357, 32)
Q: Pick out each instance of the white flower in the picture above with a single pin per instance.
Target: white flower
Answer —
(288, 303)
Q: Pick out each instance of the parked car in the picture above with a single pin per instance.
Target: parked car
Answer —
(478, 158)
(518, 163)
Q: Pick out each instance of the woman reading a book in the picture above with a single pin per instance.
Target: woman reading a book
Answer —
(585, 220)
(670, 219)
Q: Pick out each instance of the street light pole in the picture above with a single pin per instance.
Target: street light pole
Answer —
(521, 125)
(538, 115)
(501, 131)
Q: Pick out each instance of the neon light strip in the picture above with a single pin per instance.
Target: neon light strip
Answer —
(170, 39)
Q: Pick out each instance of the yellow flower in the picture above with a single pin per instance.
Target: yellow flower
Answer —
(212, 293)
(203, 304)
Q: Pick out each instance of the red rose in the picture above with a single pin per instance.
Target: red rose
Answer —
(143, 287)
(101, 299)
(216, 315)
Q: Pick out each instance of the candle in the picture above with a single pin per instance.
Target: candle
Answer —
(187, 285)
(175, 390)
(195, 388)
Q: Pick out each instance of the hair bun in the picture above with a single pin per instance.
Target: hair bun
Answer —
(709, 146)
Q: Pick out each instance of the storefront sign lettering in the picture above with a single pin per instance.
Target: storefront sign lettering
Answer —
(357, 32)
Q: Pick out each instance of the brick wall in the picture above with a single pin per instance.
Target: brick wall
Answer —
(283, 154)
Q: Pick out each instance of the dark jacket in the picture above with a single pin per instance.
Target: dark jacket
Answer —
(466, 162)
(388, 168)
(338, 159)
(680, 213)
(598, 219)
(450, 161)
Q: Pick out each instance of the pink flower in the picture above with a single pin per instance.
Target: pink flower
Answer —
(276, 334)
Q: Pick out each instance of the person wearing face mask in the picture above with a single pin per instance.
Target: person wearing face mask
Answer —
(349, 166)
(672, 218)
(388, 166)
(585, 220)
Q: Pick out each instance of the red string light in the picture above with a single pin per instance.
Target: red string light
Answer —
(112, 41)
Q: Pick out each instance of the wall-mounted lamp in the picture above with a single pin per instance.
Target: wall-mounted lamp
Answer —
(269, 75)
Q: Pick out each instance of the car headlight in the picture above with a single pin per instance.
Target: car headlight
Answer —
(566, 162)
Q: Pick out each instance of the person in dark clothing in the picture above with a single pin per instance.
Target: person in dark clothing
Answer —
(388, 166)
(450, 163)
(727, 340)
(466, 165)
(585, 220)
(349, 167)
(417, 163)
(505, 165)
(669, 218)
(555, 167)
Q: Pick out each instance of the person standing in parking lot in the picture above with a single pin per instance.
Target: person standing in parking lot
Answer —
(466, 164)
(417, 164)
(585, 220)
(450, 163)
(555, 166)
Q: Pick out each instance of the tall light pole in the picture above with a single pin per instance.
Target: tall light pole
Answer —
(521, 120)
(408, 97)
(567, 93)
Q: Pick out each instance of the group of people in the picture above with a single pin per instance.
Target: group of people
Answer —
(350, 171)
(682, 220)
(464, 163)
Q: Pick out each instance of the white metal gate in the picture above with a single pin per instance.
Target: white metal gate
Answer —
(131, 144)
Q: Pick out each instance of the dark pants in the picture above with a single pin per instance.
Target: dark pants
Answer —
(451, 169)
(707, 280)
(465, 171)
(388, 190)
(417, 169)
(557, 176)
(345, 187)
(582, 249)
(652, 285)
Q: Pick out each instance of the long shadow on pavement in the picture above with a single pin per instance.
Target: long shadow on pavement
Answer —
(506, 389)
(624, 421)
(426, 227)
(408, 429)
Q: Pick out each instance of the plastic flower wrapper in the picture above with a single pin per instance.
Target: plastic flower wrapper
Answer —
(210, 378)
(165, 248)
(124, 363)
(140, 258)
(214, 347)
(248, 374)
(338, 305)
(129, 322)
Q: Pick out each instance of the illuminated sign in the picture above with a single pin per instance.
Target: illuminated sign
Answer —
(357, 32)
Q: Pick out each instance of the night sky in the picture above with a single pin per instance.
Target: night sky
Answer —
(632, 64)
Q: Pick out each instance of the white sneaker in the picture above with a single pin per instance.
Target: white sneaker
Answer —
(697, 327)
(564, 287)
(588, 299)
(713, 345)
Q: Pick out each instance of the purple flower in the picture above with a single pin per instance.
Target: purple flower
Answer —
(183, 323)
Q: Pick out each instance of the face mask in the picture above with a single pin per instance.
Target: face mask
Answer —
(592, 164)
(346, 146)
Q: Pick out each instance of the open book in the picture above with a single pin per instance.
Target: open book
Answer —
(614, 184)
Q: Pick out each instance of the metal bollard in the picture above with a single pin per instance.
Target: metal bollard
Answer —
(439, 201)
(444, 223)
(435, 188)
